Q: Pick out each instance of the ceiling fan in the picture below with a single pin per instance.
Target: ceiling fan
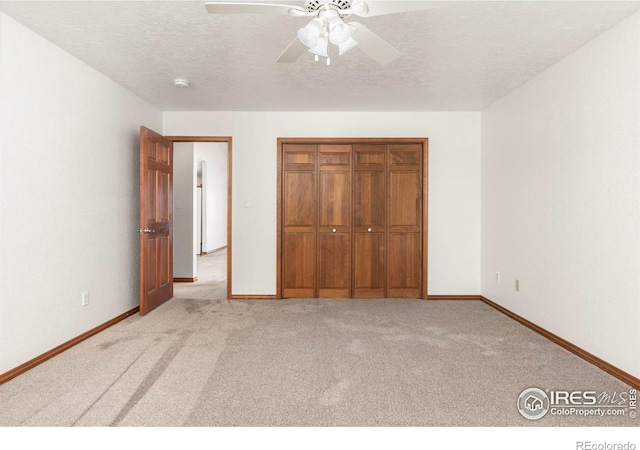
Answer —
(327, 25)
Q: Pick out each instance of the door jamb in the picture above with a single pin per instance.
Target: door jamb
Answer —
(228, 140)
(320, 141)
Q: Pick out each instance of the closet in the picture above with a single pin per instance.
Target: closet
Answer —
(352, 218)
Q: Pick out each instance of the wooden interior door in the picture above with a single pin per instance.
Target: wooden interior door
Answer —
(156, 247)
(404, 239)
(334, 221)
(299, 219)
(370, 221)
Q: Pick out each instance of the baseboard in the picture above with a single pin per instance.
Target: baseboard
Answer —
(213, 251)
(454, 297)
(254, 297)
(185, 280)
(61, 348)
(590, 358)
(430, 297)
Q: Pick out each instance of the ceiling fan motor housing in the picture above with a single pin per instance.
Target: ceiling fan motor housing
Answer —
(314, 5)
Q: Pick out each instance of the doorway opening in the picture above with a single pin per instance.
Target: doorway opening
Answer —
(202, 216)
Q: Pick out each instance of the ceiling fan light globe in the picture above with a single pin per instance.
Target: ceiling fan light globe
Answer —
(321, 47)
(310, 33)
(306, 39)
(339, 32)
(349, 44)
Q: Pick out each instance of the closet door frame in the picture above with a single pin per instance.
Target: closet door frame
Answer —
(330, 141)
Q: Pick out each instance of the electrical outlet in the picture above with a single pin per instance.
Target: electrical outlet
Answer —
(518, 285)
(497, 276)
(85, 298)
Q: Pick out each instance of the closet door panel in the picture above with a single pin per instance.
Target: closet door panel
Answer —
(299, 206)
(405, 205)
(334, 237)
(299, 220)
(369, 269)
(299, 268)
(369, 199)
(405, 157)
(334, 221)
(404, 258)
(334, 261)
(404, 262)
(335, 199)
(370, 221)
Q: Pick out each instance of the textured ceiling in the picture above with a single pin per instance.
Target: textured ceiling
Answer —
(463, 56)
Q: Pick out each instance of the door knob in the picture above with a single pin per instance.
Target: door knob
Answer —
(145, 231)
(333, 231)
(369, 230)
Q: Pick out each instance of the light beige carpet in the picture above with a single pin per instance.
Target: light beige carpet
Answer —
(201, 360)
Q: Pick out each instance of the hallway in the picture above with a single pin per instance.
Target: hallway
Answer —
(212, 279)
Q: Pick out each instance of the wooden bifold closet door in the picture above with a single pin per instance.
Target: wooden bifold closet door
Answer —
(334, 221)
(370, 221)
(351, 220)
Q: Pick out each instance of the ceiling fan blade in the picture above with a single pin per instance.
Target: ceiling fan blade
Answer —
(381, 7)
(251, 8)
(373, 45)
(292, 52)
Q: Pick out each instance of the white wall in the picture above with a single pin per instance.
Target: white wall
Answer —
(184, 210)
(214, 182)
(454, 184)
(561, 198)
(68, 195)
